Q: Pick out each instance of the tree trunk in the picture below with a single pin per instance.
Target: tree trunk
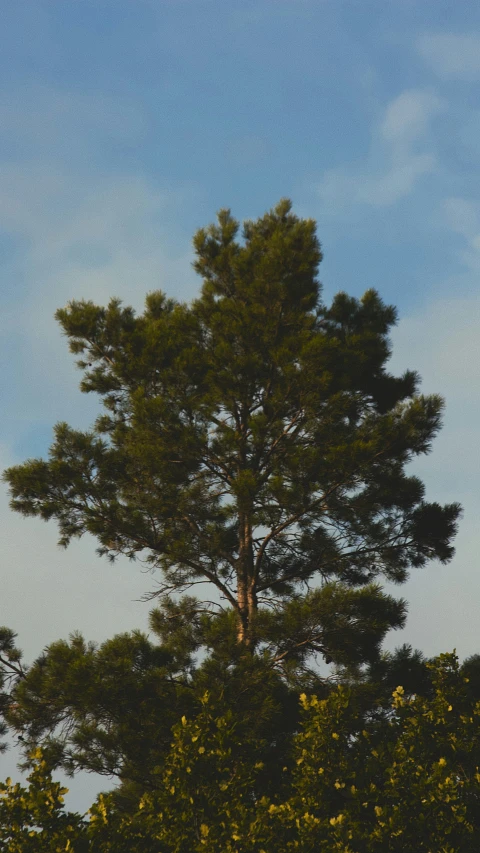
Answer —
(246, 584)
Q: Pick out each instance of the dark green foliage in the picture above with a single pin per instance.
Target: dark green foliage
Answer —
(345, 626)
(107, 709)
(11, 670)
(110, 709)
(408, 781)
(253, 440)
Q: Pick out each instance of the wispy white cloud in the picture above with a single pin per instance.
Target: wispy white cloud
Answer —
(463, 217)
(407, 119)
(41, 121)
(400, 154)
(86, 232)
(102, 234)
(441, 341)
(90, 237)
(453, 56)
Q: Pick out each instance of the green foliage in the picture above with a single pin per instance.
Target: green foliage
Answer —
(347, 626)
(252, 440)
(408, 780)
(110, 709)
(33, 819)
(107, 709)
(11, 670)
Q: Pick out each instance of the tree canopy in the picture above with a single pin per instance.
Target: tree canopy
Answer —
(253, 441)
(252, 448)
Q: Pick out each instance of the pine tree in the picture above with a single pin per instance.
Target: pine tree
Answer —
(252, 441)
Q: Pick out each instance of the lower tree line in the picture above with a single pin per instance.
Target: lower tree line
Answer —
(251, 765)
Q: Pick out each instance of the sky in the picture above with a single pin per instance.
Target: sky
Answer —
(126, 124)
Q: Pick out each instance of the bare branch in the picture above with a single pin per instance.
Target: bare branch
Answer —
(310, 641)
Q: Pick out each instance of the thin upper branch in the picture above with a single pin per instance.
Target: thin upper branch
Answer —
(15, 669)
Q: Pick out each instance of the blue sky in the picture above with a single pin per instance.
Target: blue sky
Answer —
(126, 125)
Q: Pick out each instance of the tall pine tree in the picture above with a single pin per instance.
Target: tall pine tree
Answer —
(252, 441)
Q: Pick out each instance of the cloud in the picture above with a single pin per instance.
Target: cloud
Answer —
(396, 160)
(38, 120)
(91, 237)
(407, 118)
(462, 216)
(76, 230)
(441, 341)
(341, 189)
(452, 56)
(102, 234)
